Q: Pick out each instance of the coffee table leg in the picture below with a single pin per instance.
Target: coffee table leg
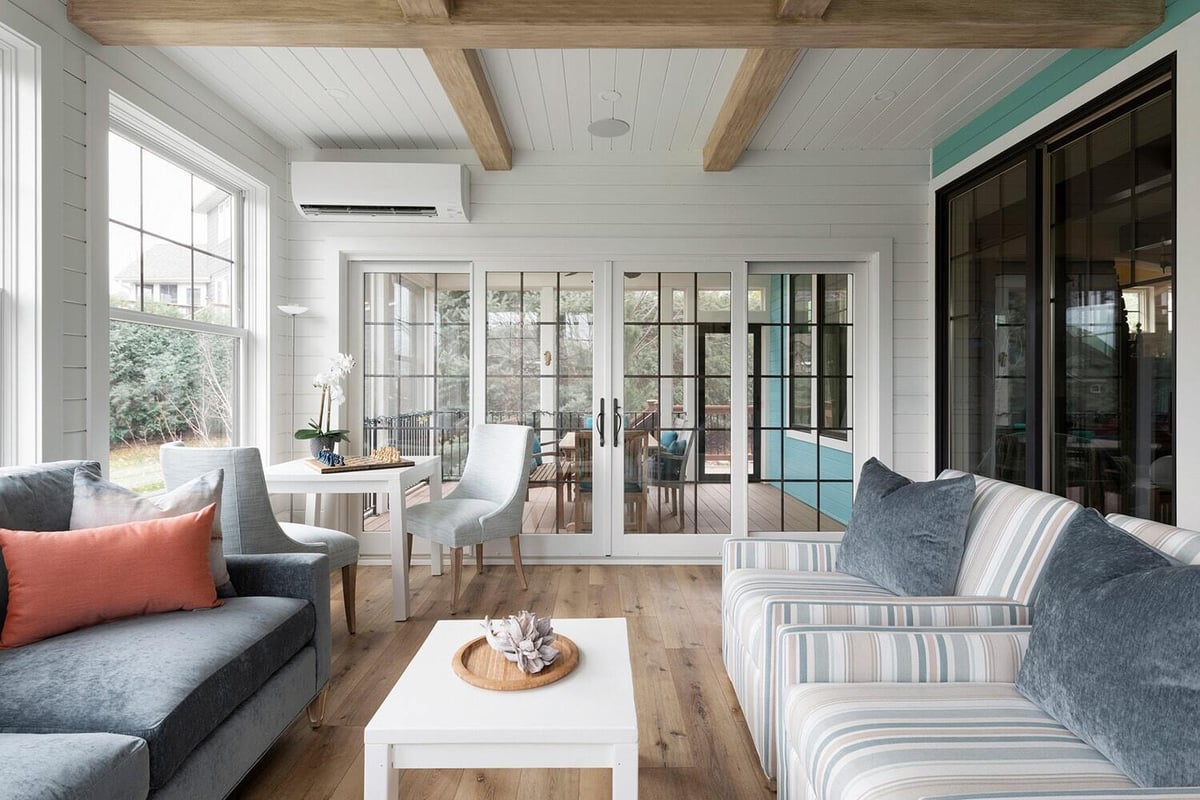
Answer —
(380, 781)
(625, 772)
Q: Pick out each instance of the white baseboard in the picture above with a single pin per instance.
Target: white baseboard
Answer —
(423, 560)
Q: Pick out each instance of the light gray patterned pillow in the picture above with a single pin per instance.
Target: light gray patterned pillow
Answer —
(98, 503)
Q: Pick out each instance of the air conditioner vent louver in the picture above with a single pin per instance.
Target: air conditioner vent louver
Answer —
(320, 209)
(381, 191)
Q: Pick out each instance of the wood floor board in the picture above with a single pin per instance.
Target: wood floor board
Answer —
(693, 741)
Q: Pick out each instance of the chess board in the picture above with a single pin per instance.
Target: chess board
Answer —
(357, 464)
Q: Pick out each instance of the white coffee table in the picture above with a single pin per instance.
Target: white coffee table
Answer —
(432, 719)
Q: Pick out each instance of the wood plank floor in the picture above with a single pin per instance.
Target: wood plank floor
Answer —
(706, 510)
(693, 741)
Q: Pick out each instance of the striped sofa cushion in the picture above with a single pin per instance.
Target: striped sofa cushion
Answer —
(748, 590)
(1178, 543)
(886, 741)
(1009, 538)
(1079, 794)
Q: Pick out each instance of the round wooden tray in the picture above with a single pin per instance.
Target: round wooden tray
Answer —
(480, 665)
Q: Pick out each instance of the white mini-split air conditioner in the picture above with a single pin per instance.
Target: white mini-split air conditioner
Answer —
(374, 190)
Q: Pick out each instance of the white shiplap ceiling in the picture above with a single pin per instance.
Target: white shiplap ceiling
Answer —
(390, 99)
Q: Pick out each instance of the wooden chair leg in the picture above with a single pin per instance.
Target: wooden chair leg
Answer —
(515, 543)
(316, 709)
(456, 562)
(408, 553)
(349, 579)
(479, 559)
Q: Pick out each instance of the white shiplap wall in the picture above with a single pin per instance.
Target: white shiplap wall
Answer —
(150, 79)
(613, 206)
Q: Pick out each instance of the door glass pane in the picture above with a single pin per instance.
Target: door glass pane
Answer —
(1113, 257)
(802, 396)
(676, 445)
(988, 287)
(416, 372)
(539, 373)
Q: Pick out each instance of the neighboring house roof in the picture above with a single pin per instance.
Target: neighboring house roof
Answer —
(167, 263)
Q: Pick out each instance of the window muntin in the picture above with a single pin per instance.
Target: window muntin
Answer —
(172, 238)
(176, 344)
(820, 333)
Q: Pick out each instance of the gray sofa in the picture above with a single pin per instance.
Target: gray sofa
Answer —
(177, 705)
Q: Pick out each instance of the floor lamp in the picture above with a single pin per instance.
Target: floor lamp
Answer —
(293, 311)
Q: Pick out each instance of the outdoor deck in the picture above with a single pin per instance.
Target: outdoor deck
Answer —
(711, 500)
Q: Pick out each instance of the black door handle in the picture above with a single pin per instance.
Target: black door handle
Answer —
(617, 422)
(600, 422)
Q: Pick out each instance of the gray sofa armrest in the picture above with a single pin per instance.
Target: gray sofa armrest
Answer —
(304, 576)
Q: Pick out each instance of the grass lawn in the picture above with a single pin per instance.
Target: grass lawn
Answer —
(135, 466)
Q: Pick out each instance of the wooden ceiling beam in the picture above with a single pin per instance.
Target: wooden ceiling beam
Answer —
(462, 76)
(759, 78)
(803, 9)
(618, 23)
(425, 9)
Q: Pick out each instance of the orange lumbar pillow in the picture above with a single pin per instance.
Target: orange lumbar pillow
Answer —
(59, 581)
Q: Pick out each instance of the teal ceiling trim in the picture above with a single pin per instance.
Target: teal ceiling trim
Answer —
(1049, 86)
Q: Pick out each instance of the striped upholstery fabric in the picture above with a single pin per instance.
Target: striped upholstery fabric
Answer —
(1178, 543)
(831, 654)
(1009, 538)
(760, 601)
(1081, 794)
(889, 741)
(801, 555)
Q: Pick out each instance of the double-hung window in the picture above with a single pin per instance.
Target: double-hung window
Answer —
(176, 330)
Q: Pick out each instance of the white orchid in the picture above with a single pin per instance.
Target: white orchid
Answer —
(341, 364)
(329, 381)
(337, 395)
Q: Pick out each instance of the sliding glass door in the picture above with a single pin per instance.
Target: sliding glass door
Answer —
(1056, 270)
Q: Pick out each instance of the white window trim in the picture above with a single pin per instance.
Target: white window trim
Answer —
(29, 236)
(108, 95)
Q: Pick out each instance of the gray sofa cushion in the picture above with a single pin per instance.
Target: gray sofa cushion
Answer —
(170, 679)
(1114, 652)
(73, 766)
(36, 498)
(907, 537)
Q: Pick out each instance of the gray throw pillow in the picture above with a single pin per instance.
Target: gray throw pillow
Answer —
(907, 537)
(98, 503)
(1115, 651)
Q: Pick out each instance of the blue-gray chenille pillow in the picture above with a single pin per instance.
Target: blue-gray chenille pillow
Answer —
(907, 537)
(1115, 652)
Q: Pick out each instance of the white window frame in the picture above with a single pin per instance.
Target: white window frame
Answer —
(26, 52)
(250, 247)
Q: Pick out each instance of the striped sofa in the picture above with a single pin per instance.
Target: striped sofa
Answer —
(922, 713)
(771, 583)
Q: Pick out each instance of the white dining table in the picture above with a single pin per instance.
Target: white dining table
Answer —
(299, 477)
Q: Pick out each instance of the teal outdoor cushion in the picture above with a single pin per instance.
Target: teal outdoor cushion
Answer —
(907, 537)
(1115, 651)
(667, 438)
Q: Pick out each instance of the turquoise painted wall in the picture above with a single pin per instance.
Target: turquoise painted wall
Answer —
(1044, 89)
(799, 458)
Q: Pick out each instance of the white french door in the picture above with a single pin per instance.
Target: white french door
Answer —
(674, 402)
(677, 348)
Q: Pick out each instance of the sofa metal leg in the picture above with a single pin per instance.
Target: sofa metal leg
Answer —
(316, 709)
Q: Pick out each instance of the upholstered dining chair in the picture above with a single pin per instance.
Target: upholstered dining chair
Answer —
(248, 524)
(488, 502)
